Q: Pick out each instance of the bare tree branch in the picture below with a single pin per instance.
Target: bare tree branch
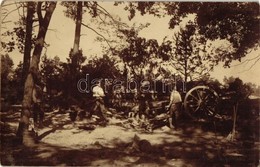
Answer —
(6, 21)
(9, 13)
(106, 13)
(16, 4)
(254, 63)
(101, 19)
(8, 4)
(177, 68)
(251, 66)
(246, 61)
(36, 25)
(98, 34)
(4, 11)
(54, 30)
(23, 10)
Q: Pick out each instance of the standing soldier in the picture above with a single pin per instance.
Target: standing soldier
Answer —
(174, 108)
(98, 94)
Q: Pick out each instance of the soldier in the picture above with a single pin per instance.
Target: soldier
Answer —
(98, 94)
(174, 108)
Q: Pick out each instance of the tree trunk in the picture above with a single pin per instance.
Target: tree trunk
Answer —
(28, 40)
(185, 73)
(78, 28)
(234, 121)
(33, 70)
(75, 50)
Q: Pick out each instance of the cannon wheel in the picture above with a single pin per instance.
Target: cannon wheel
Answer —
(201, 102)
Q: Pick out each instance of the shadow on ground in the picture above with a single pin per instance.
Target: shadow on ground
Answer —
(194, 144)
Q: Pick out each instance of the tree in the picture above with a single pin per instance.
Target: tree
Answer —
(104, 67)
(18, 83)
(11, 90)
(33, 70)
(236, 22)
(22, 36)
(187, 53)
(255, 88)
(240, 92)
(78, 28)
(76, 56)
(6, 76)
(75, 11)
(139, 53)
(71, 72)
(6, 66)
(28, 39)
(51, 73)
(11, 79)
(16, 35)
(103, 22)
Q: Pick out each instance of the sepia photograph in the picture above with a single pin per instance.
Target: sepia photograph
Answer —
(130, 83)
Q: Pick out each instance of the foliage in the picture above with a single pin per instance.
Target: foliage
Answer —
(50, 73)
(70, 73)
(255, 88)
(18, 84)
(237, 22)
(144, 7)
(138, 53)
(71, 8)
(11, 88)
(75, 61)
(104, 67)
(103, 24)
(6, 67)
(6, 77)
(240, 90)
(63, 76)
(34, 68)
(187, 53)
(212, 83)
(17, 40)
(18, 33)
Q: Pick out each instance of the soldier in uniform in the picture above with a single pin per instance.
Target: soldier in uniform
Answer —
(174, 108)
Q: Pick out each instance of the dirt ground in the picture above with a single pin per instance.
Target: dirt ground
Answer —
(66, 143)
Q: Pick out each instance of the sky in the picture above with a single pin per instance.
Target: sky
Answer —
(60, 36)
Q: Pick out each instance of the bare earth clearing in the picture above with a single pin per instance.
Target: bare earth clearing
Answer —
(63, 143)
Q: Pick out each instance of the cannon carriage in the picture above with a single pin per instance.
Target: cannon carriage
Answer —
(201, 102)
(198, 102)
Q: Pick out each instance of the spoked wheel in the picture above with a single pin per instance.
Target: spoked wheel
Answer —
(201, 102)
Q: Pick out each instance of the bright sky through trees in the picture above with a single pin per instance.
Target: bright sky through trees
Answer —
(61, 33)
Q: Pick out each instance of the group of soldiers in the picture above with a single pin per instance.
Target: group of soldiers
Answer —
(99, 109)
